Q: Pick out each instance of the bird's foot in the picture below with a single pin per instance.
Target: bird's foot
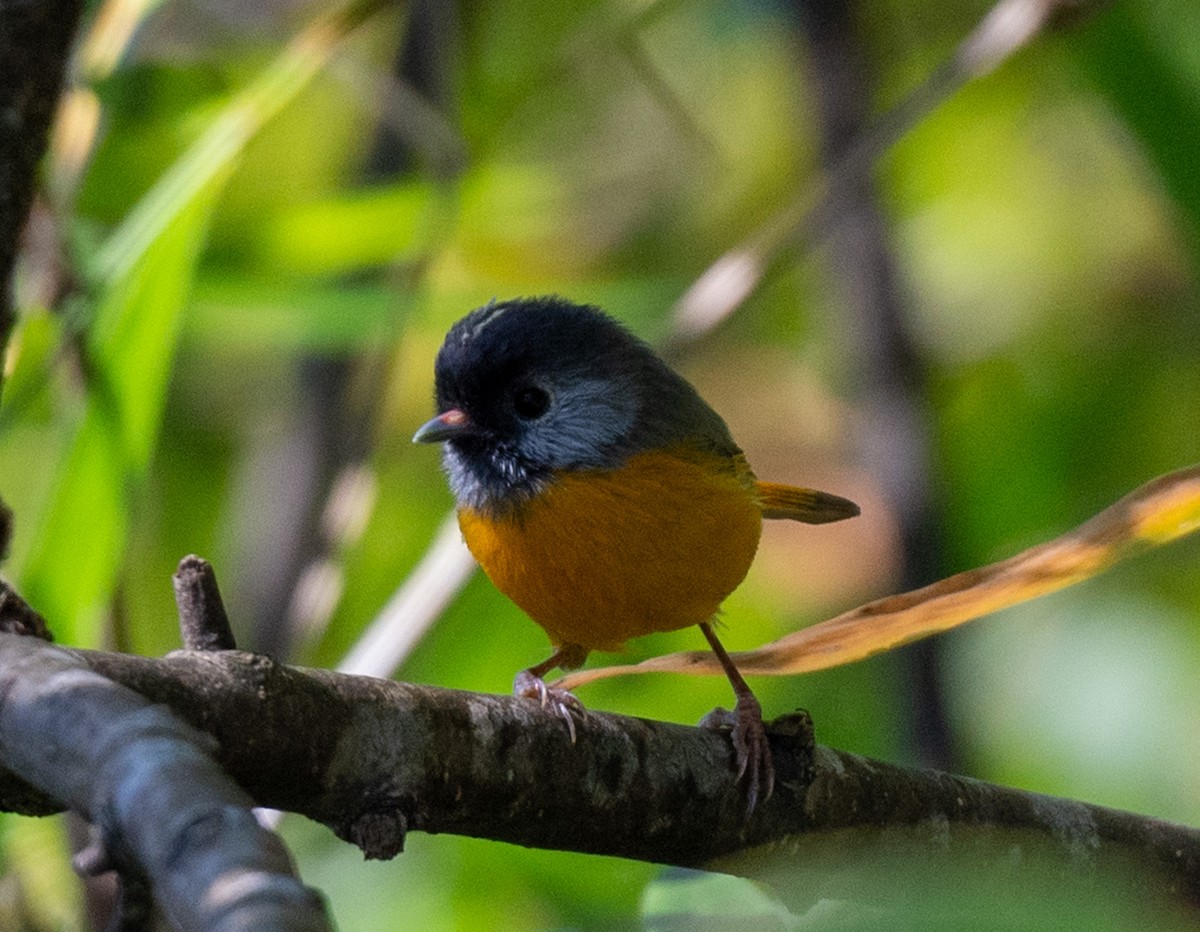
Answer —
(561, 702)
(750, 745)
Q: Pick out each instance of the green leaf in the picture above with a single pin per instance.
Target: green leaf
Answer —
(255, 315)
(340, 235)
(75, 558)
(1145, 60)
(146, 269)
(136, 328)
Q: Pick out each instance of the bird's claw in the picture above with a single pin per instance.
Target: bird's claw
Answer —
(752, 750)
(561, 702)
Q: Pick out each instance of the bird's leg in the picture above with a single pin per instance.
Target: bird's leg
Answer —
(748, 732)
(530, 685)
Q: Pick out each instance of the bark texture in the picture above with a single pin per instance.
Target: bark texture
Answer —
(375, 759)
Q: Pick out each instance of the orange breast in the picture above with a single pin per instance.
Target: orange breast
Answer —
(602, 556)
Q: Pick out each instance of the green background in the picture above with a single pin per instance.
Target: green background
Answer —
(233, 233)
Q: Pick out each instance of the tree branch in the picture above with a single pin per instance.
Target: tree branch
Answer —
(203, 623)
(374, 759)
(725, 285)
(164, 808)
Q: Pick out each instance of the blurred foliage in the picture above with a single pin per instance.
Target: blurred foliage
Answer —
(233, 224)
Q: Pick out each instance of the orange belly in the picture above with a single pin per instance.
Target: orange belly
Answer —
(603, 556)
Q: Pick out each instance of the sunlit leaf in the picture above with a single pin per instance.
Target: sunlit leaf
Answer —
(1160, 511)
(337, 236)
(215, 152)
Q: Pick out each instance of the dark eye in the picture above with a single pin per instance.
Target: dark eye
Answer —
(531, 402)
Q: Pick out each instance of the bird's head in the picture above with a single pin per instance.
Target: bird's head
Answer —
(534, 386)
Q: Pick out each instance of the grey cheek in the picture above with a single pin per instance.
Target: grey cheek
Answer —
(585, 425)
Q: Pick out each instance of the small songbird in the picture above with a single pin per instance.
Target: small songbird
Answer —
(600, 492)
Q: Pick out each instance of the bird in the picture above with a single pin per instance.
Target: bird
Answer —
(601, 494)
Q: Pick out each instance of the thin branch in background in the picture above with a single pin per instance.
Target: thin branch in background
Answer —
(414, 101)
(315, 597)
(411, 117)
(416, 605)
(633, 51)
(1011, 25)
(733, 277)
(890, 375)
(285, 483)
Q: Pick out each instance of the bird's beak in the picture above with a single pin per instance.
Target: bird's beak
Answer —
(446, 426)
